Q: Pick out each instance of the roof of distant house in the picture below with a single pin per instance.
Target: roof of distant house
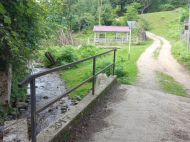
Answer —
(124, 29)
(186, 22)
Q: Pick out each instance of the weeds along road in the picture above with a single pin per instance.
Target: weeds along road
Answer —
(165, 63)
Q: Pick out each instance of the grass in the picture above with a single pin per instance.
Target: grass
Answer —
(157, 51)
(165, 24)
(179, 52)
(74, 76)
(169, 85)
(168, 28)
(159, 20)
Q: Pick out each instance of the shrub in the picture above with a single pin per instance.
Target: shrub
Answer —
(100, 64)
(179, 51)
(87, 50)
(119, 71)
(172, 30)
(144, 24)
(63, 55)
(166, 7)
(67, 55)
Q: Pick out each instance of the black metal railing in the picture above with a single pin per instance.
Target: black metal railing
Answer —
(31, 79)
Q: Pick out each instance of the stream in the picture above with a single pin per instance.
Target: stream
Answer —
(47, 88)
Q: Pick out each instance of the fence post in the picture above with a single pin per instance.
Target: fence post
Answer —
(33, 109)
(94, 72)
(114, 62)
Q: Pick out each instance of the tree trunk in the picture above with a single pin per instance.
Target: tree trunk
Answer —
(121, 7)
(5, 74)
(100, 8)
(5, 83)
(79, 22)
(70, 27)
(146, 4)
(142, 11)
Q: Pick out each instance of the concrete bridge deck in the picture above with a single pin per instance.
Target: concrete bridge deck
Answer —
(134, 114)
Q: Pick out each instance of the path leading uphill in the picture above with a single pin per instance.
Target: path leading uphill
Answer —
(141, 113)
(165, 63)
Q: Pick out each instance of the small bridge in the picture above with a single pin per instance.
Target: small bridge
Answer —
(31, 79)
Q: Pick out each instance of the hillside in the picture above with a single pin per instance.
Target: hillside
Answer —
(159, 20)
(165, 24)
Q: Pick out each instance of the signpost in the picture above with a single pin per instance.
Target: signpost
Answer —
(131, 24)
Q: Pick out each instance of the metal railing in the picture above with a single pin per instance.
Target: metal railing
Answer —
(31, 79)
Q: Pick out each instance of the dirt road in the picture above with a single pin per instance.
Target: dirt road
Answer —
(165, 63)
(141, 114)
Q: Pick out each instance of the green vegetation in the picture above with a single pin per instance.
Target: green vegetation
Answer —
(169, 85)
(158, 22)
(22, 27)
(125, 70)
(179, 51)
(157, 51)
(168, 27)
(165, 24)
(24, 23)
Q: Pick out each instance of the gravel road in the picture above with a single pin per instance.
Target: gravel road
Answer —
(165, 63)
(141, 113)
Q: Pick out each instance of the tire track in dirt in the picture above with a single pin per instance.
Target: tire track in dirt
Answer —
(165, 63)
(147, 66)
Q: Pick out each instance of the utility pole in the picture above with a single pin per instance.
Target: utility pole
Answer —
(188, 30)
(179, 21)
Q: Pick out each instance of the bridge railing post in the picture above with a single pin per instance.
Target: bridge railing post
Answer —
(114, 61)
(33, 109)
(94, 75)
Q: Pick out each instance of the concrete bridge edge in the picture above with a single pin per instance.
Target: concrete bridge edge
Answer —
(60, 128)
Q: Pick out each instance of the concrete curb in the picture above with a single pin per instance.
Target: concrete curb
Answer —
(56, 131)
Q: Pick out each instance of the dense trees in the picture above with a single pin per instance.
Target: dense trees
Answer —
(149, 5)
(75, 15)
(21, 26)
(24, 22)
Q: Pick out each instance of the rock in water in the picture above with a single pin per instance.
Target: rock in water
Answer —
(64, 108)
(45, 97)
(78, 98)
(21, 105)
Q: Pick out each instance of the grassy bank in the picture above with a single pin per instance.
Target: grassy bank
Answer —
(125, 70)
(159, 21)
(168, 84)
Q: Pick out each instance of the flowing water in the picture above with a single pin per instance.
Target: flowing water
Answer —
(47, 88)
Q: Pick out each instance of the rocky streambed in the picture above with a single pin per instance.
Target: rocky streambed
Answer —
(48, 87)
